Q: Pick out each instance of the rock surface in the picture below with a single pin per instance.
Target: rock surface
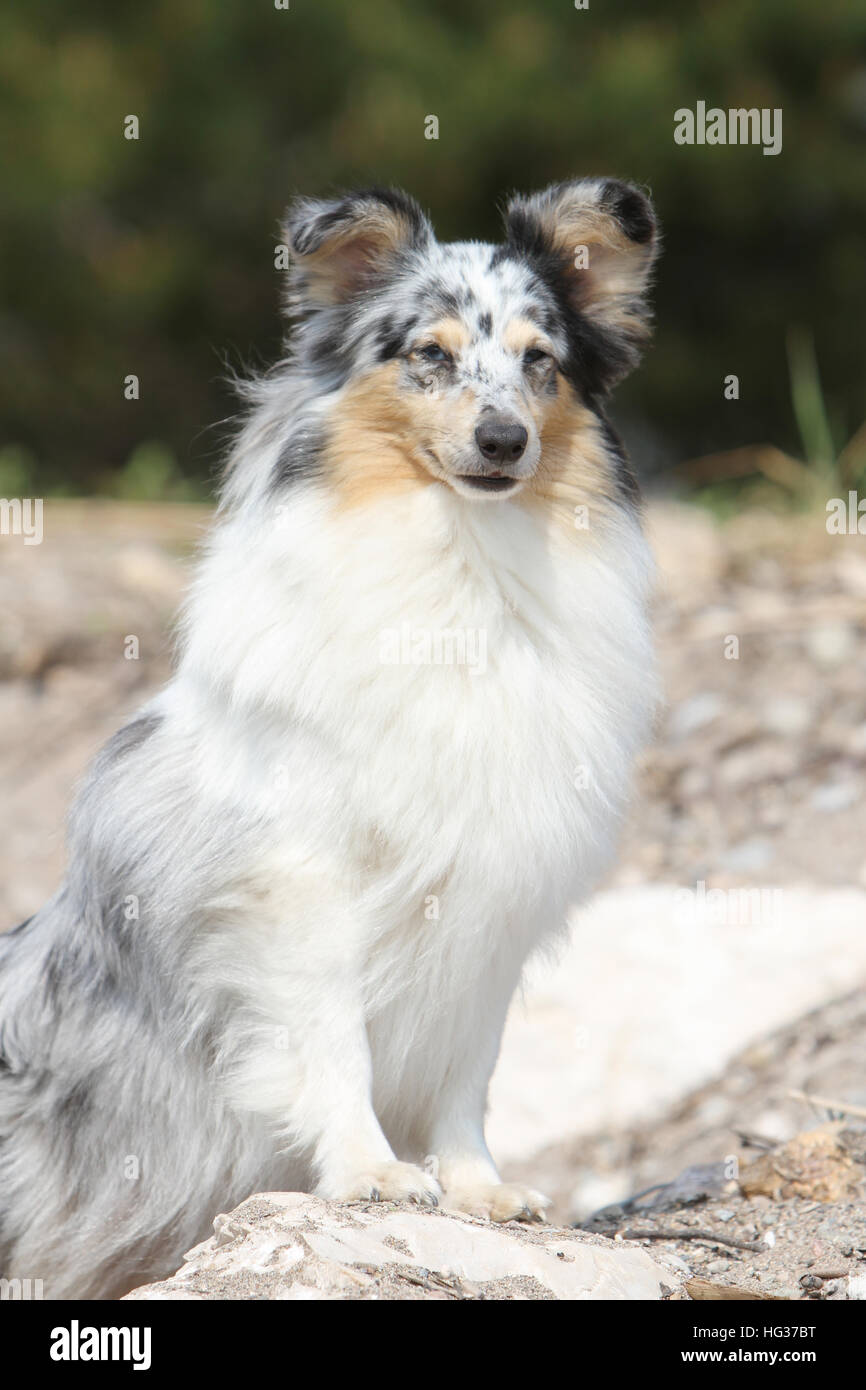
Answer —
(755, 1103)
(657, 990)
(286, 1245)
(790, 1225)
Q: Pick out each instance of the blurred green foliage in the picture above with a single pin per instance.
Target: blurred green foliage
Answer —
(155, 256)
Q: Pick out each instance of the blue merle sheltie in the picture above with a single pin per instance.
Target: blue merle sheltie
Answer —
(305, 879)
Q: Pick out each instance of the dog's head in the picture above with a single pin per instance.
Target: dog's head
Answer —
(463, 360)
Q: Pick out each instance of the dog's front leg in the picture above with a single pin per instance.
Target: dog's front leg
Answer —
(308, 1069)
(455, 1137)
(353, 1160)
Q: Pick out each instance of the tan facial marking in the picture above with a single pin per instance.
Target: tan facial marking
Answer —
(574, 468)
(521, 334)
(373, 441)
(450, 334)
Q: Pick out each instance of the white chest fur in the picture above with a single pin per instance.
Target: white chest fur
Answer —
(447, 696)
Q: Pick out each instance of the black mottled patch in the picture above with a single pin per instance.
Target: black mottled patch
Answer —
(485, 324)
(21, 927)
(71, 1113)
(130, 737)
(127, 739)
(59, 966)
(534, 313)
(391, 338)
(631, 210)
(437, 298)
(327, 351)
(297, 460)
(626, 480)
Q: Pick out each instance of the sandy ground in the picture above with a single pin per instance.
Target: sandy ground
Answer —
(755, 782)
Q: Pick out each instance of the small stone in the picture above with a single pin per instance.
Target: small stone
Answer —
(748, 856)
(693, 782)
(693, 714)
(788, 715)
(830, 644)
(835, 796)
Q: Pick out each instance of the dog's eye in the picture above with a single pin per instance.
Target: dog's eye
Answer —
(432, 352)
(533, 355)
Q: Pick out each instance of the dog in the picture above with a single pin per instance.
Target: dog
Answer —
(305, 879)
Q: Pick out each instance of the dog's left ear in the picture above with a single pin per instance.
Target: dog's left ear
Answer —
(341, 246)
(595, 241)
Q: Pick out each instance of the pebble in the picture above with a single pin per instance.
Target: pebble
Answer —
(788, 715)
(830, 644)
(835, 796)
(694, 713)
(748, 856)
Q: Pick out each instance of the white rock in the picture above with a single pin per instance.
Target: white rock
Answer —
(835, 796)
(788, 715)
(291, 1246)
(694, 713)
(650, 999)
(748, 857)
(830, 643)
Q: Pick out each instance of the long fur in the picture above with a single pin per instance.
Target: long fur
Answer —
(304, 881)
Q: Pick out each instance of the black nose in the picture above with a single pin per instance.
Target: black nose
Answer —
(501, 441)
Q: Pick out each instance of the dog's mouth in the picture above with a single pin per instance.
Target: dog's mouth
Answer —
(489, 482)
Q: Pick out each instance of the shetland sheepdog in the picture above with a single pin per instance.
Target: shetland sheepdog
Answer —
(415, 669)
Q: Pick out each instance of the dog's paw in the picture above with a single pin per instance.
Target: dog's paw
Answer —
(501, 1201)
(391, 1182)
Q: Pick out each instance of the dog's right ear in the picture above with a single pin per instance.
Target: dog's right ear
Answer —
(613, 226)
(341, 246)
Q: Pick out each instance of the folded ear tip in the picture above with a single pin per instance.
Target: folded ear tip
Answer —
(623, 201)
(298, 238)
(299, 224)
(631, 208)
(309, 221)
